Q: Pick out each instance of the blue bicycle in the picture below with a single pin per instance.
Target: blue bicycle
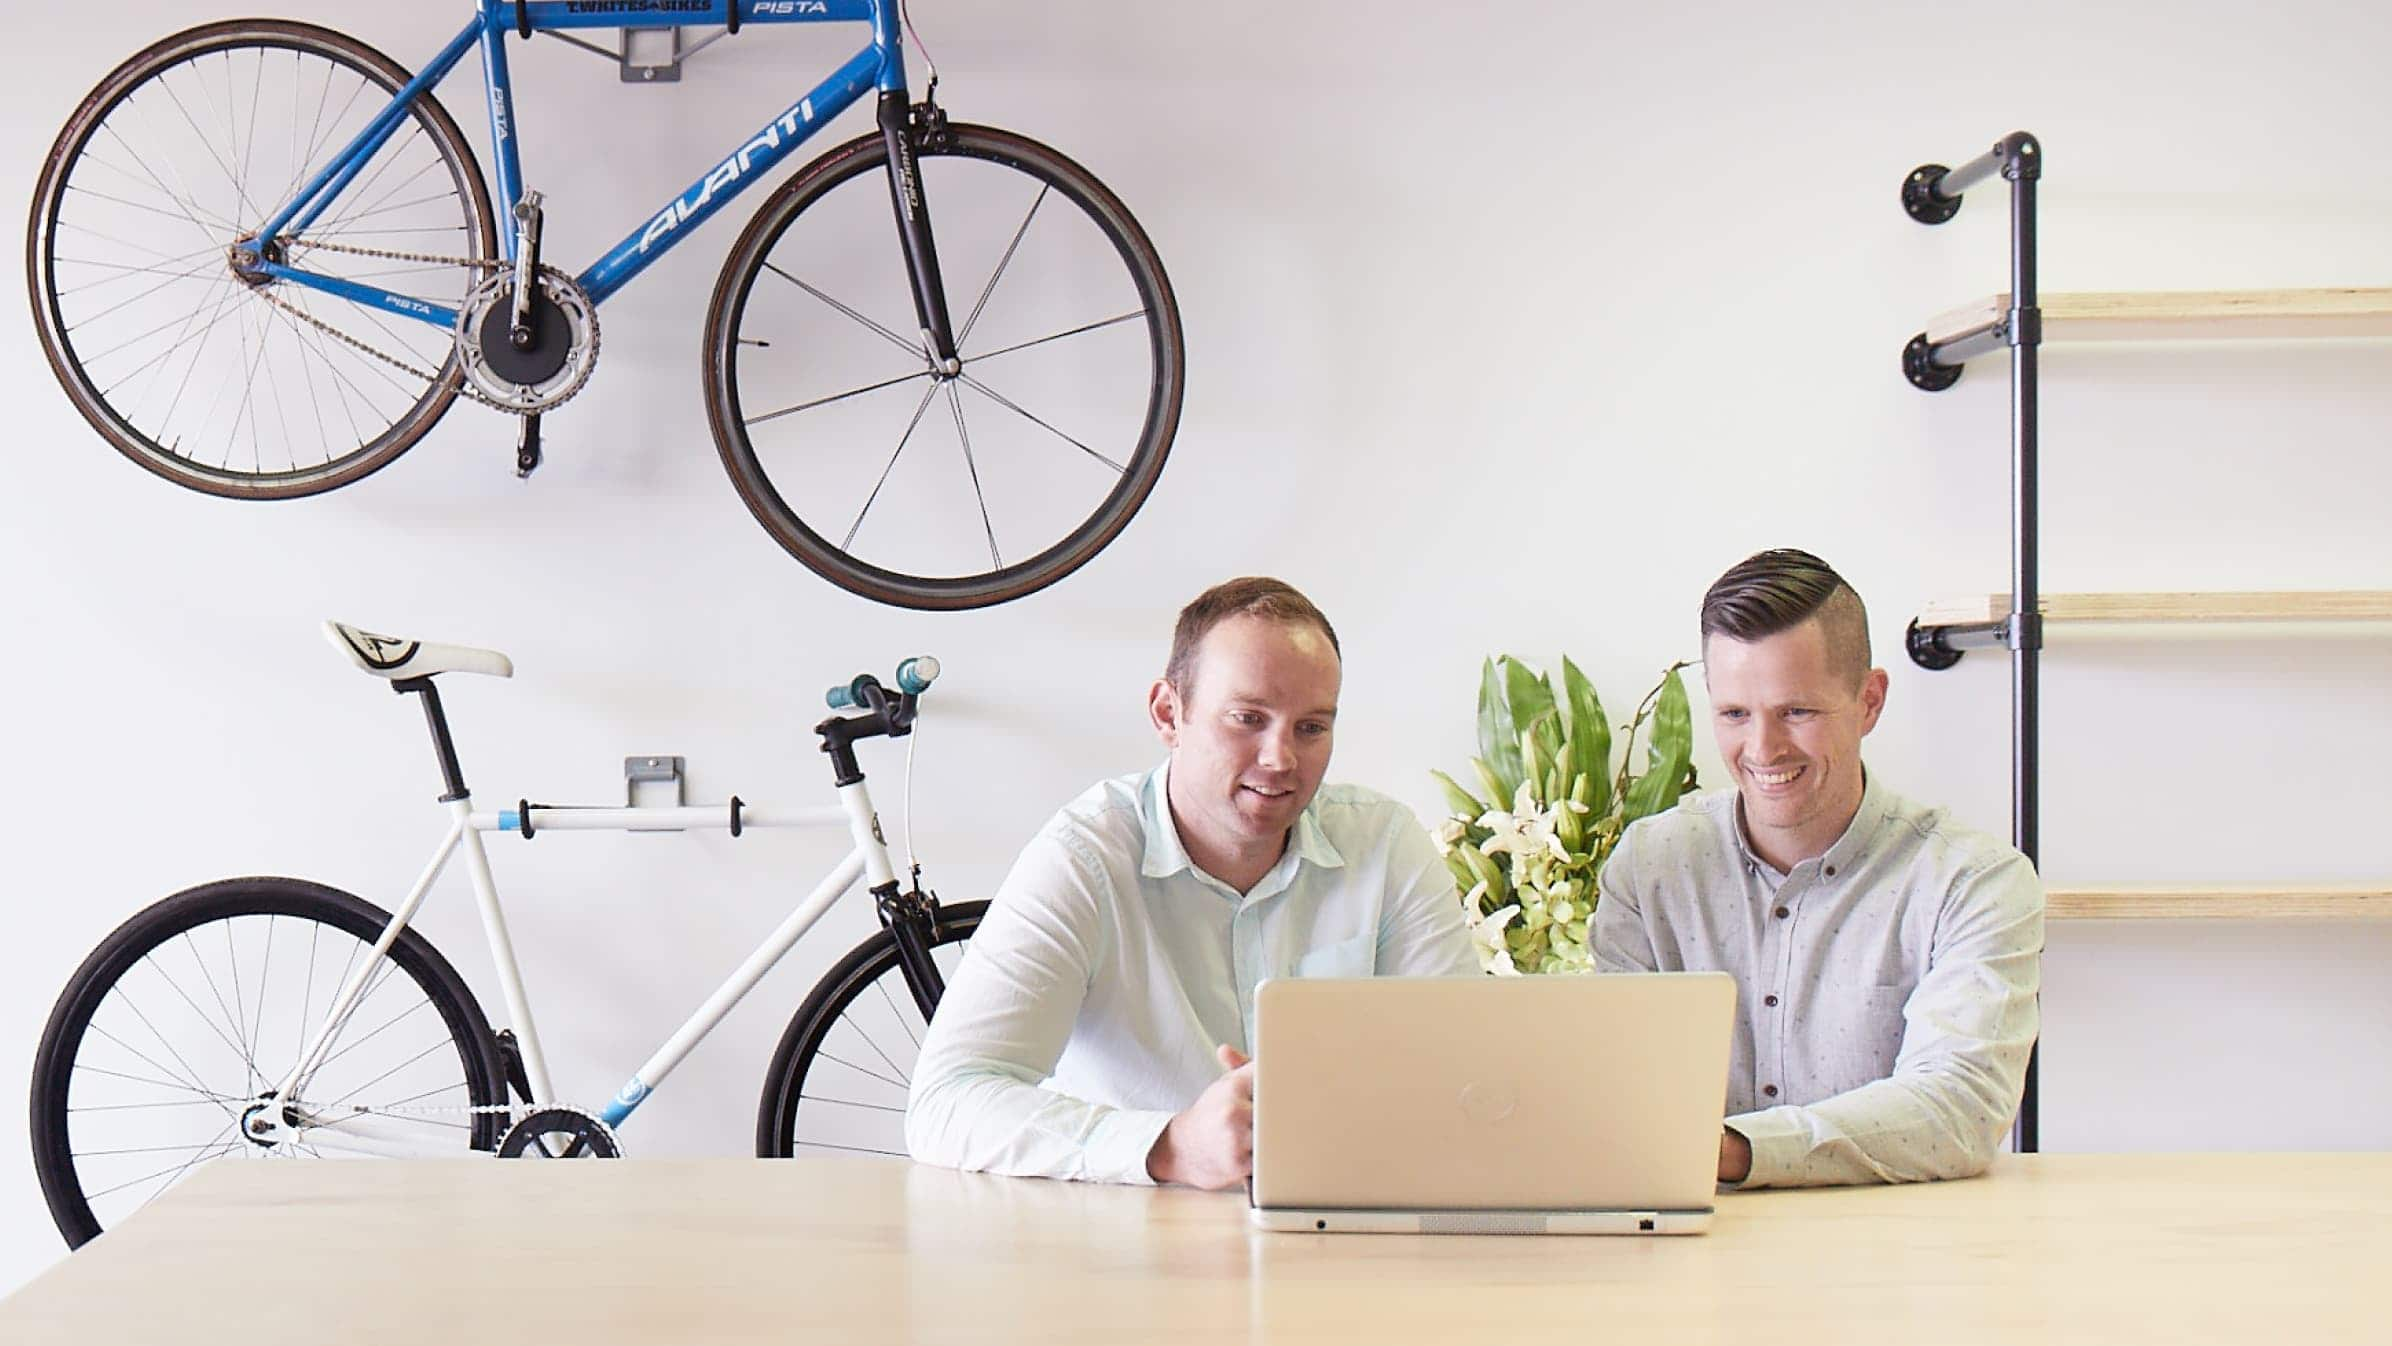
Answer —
(263, 261)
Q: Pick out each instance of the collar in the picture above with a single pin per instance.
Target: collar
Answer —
(1875, 801)
(1166, 855)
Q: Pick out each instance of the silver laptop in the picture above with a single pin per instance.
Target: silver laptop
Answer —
(1527, 1105)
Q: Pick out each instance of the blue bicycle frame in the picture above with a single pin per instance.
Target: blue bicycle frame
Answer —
(880, 64)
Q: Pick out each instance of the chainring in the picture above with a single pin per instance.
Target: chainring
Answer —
(564, 350)
(558, 1132)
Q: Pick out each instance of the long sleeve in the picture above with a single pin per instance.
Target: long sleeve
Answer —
(1618, 939)
(978, 1099)
(1421, 929)
(1967, 1029)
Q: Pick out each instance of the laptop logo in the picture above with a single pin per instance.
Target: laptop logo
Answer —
(1488, 1104)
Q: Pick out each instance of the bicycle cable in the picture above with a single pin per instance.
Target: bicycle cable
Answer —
(930, 93)
(913, 859)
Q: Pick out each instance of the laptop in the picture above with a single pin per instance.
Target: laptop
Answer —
(1513, 1105)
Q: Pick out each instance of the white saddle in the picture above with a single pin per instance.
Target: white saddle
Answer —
(394, 657)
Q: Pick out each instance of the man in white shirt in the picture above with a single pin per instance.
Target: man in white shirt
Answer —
(1098, 1026)
(1886, 958)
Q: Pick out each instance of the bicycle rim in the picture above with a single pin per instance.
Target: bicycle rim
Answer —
(198, 374)
(838, 1082)
(198, 1005)
(931, 492)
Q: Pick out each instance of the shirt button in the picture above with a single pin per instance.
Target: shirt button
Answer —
(1769, 1000)
(1783, 913)
(1770, 1090)
(1831, 871)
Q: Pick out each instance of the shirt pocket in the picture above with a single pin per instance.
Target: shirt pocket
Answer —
(1346, 958)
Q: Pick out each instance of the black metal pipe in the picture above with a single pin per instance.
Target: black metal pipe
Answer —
(2022, 165)
(1963, 349)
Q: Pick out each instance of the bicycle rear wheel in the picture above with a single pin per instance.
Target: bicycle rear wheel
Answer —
(838, 1079)
(198, 1004)
(240, 384)
(892, 478)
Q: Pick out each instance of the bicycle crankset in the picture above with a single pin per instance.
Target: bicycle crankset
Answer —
(560, 1133)
(532, 376)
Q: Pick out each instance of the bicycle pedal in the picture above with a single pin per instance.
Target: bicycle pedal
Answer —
(527, 447)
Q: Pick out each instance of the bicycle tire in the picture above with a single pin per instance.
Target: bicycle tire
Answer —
(128, 956)
(1109, 376)
(335, 378)
(875, 1122)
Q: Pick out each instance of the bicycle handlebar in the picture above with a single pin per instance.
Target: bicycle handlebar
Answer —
(914, 677)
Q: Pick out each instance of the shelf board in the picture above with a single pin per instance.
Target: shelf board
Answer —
(2186, 315)
(2244, 903)
(2333, 605)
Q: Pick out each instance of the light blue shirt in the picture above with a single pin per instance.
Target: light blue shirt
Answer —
(1109, 966)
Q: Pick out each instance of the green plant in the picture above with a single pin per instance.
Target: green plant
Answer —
(1526, 855)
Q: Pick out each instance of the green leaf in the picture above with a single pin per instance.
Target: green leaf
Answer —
(1531, 700)
(1495, 787)
(1587, 736)
(1670, 749)
(1536, 764)
(1463, 803)
(1498, 735)
(1498, 891)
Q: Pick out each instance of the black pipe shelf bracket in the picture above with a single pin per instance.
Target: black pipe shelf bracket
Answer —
(1932, 195)
(1932, 361)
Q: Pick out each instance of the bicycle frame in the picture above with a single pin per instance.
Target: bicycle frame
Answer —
(869, 856)
(880, 64)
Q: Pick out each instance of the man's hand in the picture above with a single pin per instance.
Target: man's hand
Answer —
(1735, 1156)
(1211, 1144)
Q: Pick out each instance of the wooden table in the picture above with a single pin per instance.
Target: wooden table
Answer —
(2049, 1248)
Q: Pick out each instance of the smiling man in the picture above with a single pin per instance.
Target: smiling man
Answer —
(1098, 1026)
(1886, 957)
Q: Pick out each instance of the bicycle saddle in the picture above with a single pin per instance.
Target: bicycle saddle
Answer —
(396, 657)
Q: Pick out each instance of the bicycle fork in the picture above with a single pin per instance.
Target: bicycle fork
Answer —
(911, 918)
(900, 133)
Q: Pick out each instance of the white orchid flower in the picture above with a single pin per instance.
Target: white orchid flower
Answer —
(1487, 933)
(1450, 832)
(1524, 832)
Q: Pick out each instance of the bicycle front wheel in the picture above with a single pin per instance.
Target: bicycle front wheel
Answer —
(922, 487)
(837, 1082)
(199, 1004)
(204, 370)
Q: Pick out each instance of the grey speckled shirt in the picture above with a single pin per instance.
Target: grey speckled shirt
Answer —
(1885, 990)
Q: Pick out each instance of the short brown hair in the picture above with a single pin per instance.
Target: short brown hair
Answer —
(1246, 596)
(1778, 590)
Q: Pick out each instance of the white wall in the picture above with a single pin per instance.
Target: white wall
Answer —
(1508, 331)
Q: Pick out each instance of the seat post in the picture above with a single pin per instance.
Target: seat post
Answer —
(442, 745)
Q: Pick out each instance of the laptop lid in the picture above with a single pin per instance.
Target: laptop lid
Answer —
(1554, 1093)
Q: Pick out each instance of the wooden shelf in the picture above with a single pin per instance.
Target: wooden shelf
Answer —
(2245, 903)
(2186, 315)
(2334, 605)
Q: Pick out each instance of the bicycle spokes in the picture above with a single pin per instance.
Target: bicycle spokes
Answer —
(1004, 463)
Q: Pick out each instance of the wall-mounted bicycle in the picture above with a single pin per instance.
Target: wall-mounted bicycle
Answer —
(276, 1018)
(263, 262)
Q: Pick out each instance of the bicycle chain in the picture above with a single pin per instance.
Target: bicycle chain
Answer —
(515, 1113)
(464, 384)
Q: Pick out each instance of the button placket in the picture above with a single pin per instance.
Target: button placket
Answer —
(1781, 927)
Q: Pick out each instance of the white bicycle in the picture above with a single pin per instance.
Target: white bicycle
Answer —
(279, 1018)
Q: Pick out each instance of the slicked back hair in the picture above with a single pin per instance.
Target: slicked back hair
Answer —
(1774, 591)
(1247, 596)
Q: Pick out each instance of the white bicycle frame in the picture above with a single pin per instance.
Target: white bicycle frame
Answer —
(359, 1131)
